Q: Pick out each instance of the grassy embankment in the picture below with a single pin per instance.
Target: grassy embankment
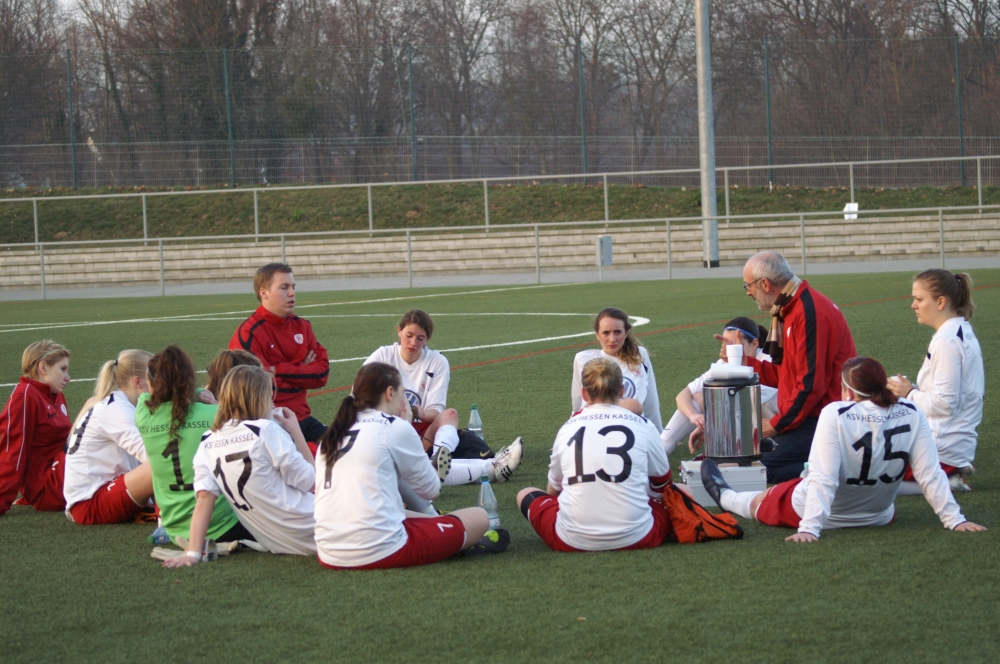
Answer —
(417, 206)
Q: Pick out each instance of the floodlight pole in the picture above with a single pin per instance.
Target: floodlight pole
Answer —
(706, 139)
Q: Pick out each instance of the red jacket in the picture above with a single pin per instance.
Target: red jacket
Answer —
(817, 343)
(282, 344)
(34, 427)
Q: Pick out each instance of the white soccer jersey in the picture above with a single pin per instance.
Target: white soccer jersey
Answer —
(425, 381)
(768, 395)
(601, 462)
(359, 512)
(950, 389)
(104, 444)
(639, 383)
(255, 465)
(858, 457)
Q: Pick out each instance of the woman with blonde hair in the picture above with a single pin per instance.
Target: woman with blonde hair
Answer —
(257, 458)
(607, 466)
(614, 333)
(951, 385)
(108, 477)
(34, 425)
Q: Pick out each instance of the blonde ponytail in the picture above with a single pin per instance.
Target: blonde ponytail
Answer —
(114, 374)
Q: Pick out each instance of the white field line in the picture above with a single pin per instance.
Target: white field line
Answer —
(638, 320)
(206, 316)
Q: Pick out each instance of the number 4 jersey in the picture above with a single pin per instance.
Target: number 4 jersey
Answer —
(255, 466)
(858, 457)
(601, 463)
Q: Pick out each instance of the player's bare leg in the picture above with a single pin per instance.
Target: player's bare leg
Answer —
(139, 484)
(449, 416)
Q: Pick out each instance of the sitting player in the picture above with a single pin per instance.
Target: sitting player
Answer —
(426, 374)
(859, 454)
(689, 417)
(261, 465)
(108, 477)
(606, 464)
(617, 344)
(285, 345)
(171, 423)
(221, 365)
(951, 385)
(366, 453)
(34, 425)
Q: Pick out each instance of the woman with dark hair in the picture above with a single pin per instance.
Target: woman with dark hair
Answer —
(171, 422)
(605, 461)
(426, 374)
(34, 425)
(613, 331)
(951, 384)
(862, 447)
(689, 418)
(257, 459)
(222, 363)
(366, 452)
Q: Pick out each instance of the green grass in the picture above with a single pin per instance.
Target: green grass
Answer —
(910, 591)
(417, 206)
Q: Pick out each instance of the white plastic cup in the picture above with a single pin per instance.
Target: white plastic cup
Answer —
(734, 354)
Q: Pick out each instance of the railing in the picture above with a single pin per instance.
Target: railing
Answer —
(669, 223)
(256, 191)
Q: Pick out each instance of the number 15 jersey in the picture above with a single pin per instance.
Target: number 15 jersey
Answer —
(601, 463)
(858, 457)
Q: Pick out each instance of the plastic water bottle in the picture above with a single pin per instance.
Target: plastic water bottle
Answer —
(475, 422)
(488, 501)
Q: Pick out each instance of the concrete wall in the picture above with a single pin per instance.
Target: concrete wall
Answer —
(639, 246)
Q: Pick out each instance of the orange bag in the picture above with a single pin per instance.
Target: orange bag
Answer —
(692, 523)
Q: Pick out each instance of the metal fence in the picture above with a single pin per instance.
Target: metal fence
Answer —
(982, 171)
(393, 112)
(800, 219)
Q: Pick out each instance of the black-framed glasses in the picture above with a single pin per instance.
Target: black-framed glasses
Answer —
(746, 286)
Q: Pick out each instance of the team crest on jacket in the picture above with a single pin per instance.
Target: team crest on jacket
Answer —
(299, 338)
(629, 390)
(62, 407)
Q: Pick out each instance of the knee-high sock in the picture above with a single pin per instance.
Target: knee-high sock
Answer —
(446, 436)
(678, 429)
(414, 502)
(468, 471)
(909, 489)
(739, 503)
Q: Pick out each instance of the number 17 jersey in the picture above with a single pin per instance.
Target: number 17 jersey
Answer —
(601, 463)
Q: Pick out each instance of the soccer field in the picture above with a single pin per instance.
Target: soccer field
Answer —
(910, 591)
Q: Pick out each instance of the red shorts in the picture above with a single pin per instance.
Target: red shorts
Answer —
(109, 504)
(544, 510)
(421, 428)
(49, 496)
(776, 508)
(428, 541)
(948, 470)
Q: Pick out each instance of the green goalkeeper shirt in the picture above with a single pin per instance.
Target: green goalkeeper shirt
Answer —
(171, 462)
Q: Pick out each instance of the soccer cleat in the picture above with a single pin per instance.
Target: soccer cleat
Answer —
(494, 541)
(442, 462)
(712, 480)
(958, 483)
(507, 461)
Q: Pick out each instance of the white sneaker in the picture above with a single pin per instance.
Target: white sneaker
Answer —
(507, 460)
(957, 483)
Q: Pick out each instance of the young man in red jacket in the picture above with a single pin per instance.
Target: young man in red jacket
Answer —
(285, 344)
(809, 342)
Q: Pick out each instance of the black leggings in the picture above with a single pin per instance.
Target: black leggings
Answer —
(237, 532)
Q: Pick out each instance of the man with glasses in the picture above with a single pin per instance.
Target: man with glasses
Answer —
(808, 342)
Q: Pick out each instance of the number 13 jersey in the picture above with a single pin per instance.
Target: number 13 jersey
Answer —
(601, 463)
(255, 466)
(858, 457)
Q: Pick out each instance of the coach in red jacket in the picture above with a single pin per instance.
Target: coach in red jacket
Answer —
(285, 344)
(809, 342)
